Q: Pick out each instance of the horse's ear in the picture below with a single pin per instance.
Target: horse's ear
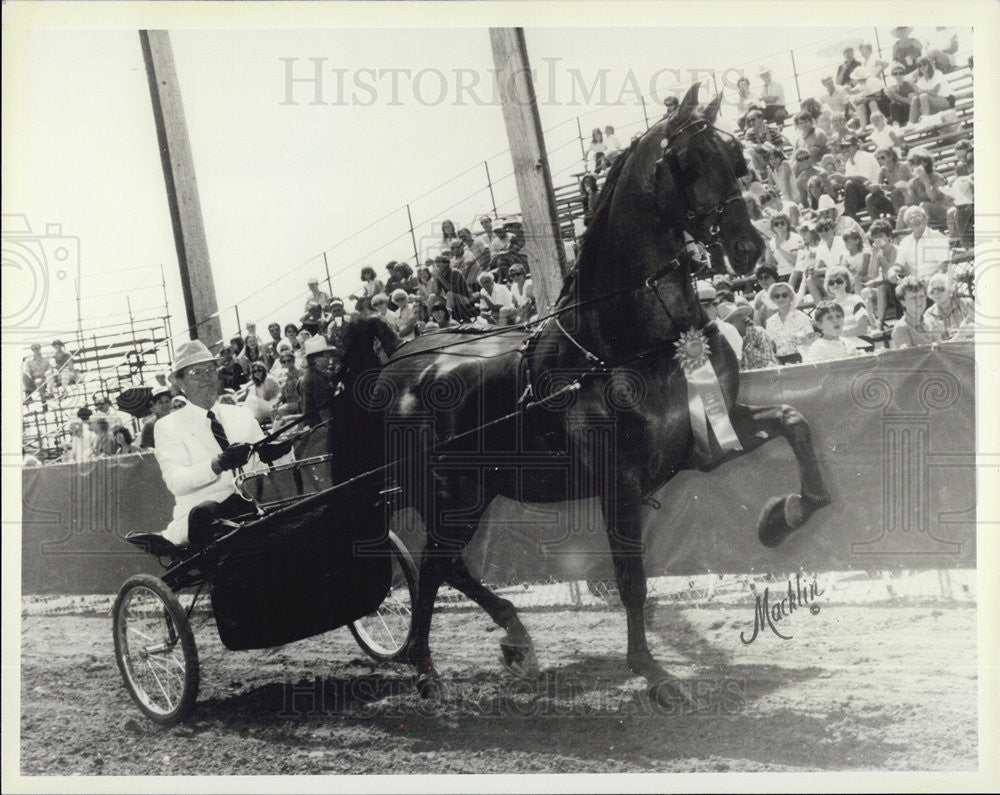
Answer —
(712, 109)
(689, 103)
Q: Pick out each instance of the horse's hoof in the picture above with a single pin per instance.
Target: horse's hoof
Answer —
(429, 686)
(781, 517)
(519, 659)
(672, 695)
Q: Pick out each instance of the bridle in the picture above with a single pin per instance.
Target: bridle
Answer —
(696, 218)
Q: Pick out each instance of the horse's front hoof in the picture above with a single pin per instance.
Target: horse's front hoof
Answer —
(519, 659)
(671, 695)
(781, 517)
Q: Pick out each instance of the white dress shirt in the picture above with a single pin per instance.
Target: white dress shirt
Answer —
(924, 257)
(185, 449)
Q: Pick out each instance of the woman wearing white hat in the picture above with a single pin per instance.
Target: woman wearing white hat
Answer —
(198, 447)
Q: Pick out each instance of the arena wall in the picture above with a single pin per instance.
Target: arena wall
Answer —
(894, 435)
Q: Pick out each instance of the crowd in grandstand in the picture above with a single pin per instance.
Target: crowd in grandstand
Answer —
(868, 241)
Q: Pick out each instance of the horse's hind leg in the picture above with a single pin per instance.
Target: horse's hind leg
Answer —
(418, 652)
(518, 651)
(781, 516)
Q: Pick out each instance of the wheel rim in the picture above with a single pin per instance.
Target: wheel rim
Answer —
(386, 629)
(151, 651)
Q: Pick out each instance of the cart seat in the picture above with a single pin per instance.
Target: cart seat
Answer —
(155, 544)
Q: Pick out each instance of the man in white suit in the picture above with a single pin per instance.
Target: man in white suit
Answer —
(199, 446)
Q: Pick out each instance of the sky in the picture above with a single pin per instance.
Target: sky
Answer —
(290, 168)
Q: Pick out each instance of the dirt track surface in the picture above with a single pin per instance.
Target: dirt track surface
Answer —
(856, 688)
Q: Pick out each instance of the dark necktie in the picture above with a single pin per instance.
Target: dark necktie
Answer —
(218, 431)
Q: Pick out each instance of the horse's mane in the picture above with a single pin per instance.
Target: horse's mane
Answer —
(359, 354)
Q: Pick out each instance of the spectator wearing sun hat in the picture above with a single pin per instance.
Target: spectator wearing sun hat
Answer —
(315, 294)
(315, 387)
(772, 93)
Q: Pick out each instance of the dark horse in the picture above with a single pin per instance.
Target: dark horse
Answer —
(592, 402)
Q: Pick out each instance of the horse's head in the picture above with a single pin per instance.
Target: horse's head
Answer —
(693, 169)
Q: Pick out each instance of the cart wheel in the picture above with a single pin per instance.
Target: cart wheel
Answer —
(385, 633)
(155, 649)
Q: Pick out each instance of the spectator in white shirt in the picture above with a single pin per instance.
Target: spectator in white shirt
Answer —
(867, 94)
(861, 171)
(931, 87)
(773, 95)
(493, 297)
(924, 251)
(611, 141)
(835, 97)
(380, 303)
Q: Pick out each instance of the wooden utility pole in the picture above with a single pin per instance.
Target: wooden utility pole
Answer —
(182, 189)
(543, 240)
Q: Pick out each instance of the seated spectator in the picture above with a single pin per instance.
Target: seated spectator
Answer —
(924, 251)
(843, 224)
(315, 388)
(440, 317)
(709, 300)
(314, 320)
(882, 135)
(870, 61)
(879, 287)
(772, 203)
(861, 172)
(370, 287)
(670, 106)
(406, 314)
(425, 283)
(285, 366)
(758, 350)
(290, 401)
(160, 405)
(844, 69)
(965, 153)
(931, 95)
(81, 442)
(269, 352)
(380, 303)
(830, 251)
(231, 375)
(251, 351)
(804, 171)
(780, 178)
(763, 306)
(838, 286)
(789, 328)
(66, 373)
(810, 139)
(177, 402)
(859, 256)
(901, 93)
(453, 290)
(597, 146)
(744, 100)
(910, 329)
(476, 259)
(906, 50)
(783, 246)
(805, 259)
(104, 409)
(522, 293)
(612, 143)
(940, 48)
(951, 315)
(834, 98)
(758, 132)
(123, 441)
(888, 196)
(447, 233)
(828, 319)
(866, 95)
(391, 282)
(103, 443)
(261, 393)
(493, 297)
(36, 373)
(962, 215)
(772, 93)
(315, 294)
(338, 323)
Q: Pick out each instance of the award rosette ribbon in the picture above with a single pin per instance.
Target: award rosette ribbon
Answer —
(706, 405)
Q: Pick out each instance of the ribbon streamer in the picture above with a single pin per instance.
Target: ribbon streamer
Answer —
(707, 406)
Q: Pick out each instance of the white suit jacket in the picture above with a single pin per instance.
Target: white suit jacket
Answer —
(185, 448)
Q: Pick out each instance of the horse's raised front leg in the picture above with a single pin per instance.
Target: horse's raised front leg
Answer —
(621, 515)
(781, 516)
